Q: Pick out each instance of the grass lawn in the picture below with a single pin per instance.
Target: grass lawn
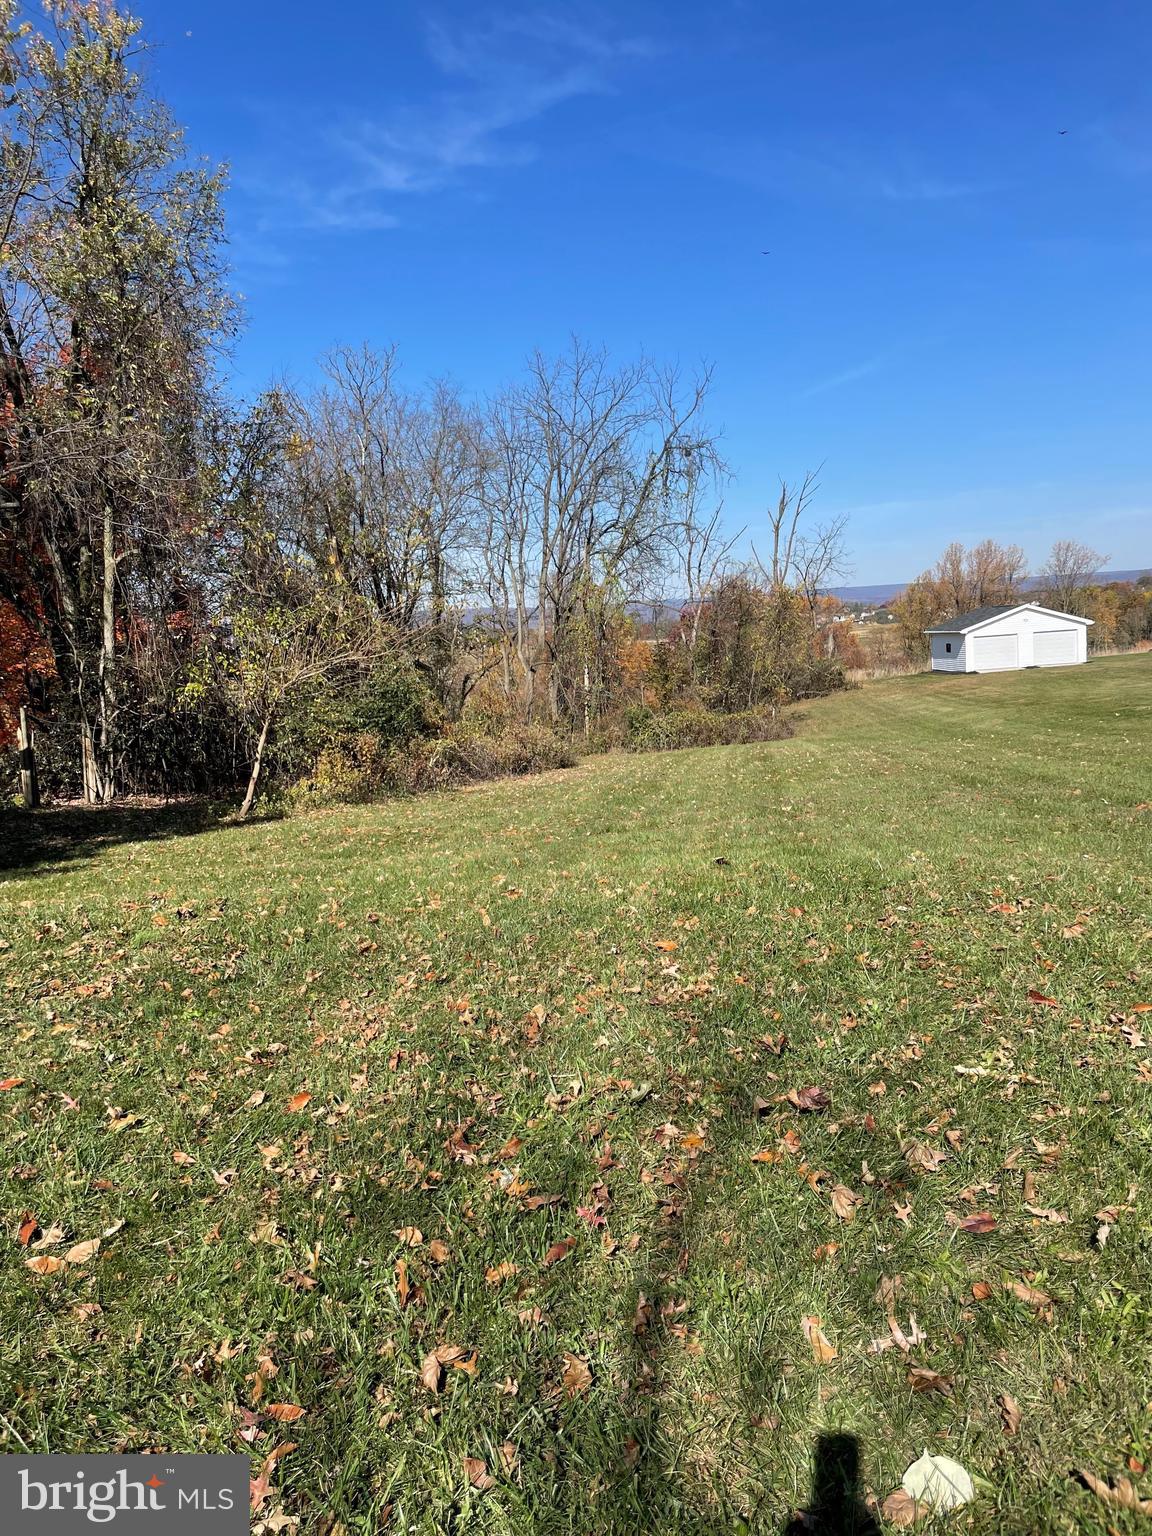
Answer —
(506, 1073)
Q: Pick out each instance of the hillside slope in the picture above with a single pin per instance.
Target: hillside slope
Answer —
(525, 1074)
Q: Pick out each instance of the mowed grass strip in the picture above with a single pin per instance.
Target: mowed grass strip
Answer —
(475, 1127)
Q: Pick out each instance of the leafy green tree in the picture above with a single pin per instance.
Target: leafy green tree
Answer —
(111, 301)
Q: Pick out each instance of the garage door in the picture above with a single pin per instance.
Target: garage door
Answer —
(994, 653)
(1055, 647)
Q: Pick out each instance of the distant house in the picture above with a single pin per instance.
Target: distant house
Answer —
(1008, 638)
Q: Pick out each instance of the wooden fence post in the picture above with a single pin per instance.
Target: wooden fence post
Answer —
(29, 787)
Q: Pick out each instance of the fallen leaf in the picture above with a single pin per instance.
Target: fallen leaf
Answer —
(844, 1202)
(887, 1291)
(44, 1264)
(901, 1509)
(1028, 1294)
(577, 1378)
(559, 1251)
(80, 1253)
(11, 1082)
(1121, 1493)
(299, 1101)
(284, 1413)
(923, 1379)
(28, 1229)
(438, 1251)
(923, 1158)
(981, 1290)
(809, 1100)
(498, 1273)
(477, 1473)
(823, 1350)
(431, 1372)
(412, 1236)
(182, 1159)
(765, 1156)
(1040, 999)
(981, 1223)
(667, 945)
(509, 1456)
(1043, 1213)
(1010, 1415)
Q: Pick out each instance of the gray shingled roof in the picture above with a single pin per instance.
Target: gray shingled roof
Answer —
(970, 620)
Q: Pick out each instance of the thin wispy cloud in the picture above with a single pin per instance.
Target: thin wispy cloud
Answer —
(500, 75)
(930, 189)
(845, 376)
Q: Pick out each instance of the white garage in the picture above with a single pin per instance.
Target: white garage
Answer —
(1007, 638)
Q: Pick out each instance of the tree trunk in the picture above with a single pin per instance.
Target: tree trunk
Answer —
(107, 741)
(257, 761)
(90, 773)
(29, 787)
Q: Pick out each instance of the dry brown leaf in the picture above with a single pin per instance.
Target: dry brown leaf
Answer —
(80, 1253)
(411, 1236)
(403, 1288)
(765, 1156)
(509, 1456)
(44, 1264)
(284, 1413)
(922, 1379)
(823, 1350)
(1040, 1000)
(844, 1202)
(887, 1291)
(576, 1376)
(925, 1159)
(981, 1290)
(431, 1372)
(979, 1224)
(1028, 1294)
(1010, 1415)
(182, 1159)
(1121, 1493)
(438, 1251)
(299, 1101)
(498, 1273)
(477, 1473)
(28, 1229)
(559, 1251)
(809, 1100)
(901, 1509)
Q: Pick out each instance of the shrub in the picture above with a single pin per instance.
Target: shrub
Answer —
(359, 766)
(651, 732)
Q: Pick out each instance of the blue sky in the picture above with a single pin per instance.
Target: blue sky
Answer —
(955, 316)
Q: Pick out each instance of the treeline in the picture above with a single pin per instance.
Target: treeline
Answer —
(345, 588)
(994, 574)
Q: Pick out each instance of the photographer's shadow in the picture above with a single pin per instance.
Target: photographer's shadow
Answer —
(836, 1506)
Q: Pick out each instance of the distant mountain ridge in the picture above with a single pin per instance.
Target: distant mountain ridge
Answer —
(884, 592)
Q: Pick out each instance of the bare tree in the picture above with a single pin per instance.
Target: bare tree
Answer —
(1069, 568)
(586, 474)
(785, 525)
